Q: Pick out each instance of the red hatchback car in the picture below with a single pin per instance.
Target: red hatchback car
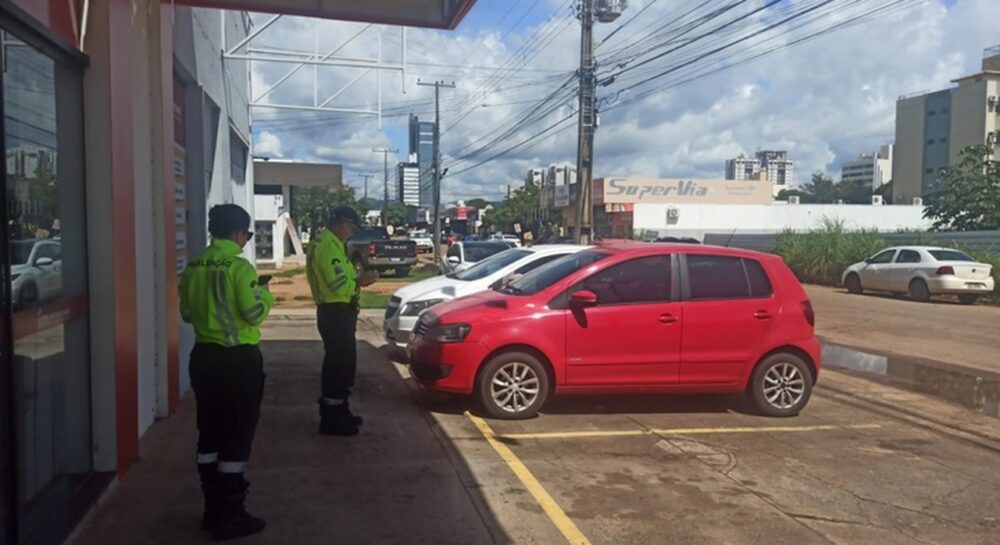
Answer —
(623, 318)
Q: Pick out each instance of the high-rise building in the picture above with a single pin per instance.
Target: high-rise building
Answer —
(408, 183)
(742, 168)
(767, 165)
(422, 153)
(932, 129)
(872, 169)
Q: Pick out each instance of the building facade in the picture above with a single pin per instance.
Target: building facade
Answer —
(122, 126)
(422, 153)
(871, 169)
(933, 128)
(408, 183)
(772, 166)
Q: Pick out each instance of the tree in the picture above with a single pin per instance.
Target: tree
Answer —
(821, 189)
(400, 214)
(885, 190)
(313, 206)
(854, 192)
(477, 203)
(520, 207)
(966, 196)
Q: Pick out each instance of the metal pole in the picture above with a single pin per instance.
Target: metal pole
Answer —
(385, 201)
(437, 164)
(585, 140)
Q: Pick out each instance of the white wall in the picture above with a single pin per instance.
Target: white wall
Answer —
(698, 219)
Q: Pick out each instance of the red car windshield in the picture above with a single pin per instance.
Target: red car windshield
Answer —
(550, 273)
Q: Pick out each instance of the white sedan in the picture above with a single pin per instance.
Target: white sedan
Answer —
(921, 271)
(406, 305)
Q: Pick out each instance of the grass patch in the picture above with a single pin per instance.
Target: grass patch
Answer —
(414, 276)
(374, 300)
(290, 272)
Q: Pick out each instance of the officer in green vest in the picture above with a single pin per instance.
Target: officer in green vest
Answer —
(336, 291)
(225, 301)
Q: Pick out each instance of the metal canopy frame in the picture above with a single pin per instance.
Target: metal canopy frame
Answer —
(244, 50)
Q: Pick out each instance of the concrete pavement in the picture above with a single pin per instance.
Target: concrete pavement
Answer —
(865, 463)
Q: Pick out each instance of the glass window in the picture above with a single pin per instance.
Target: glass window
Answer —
(478, 252)
(528, 267)
(760, 285)
(550, 273)
(908, 256)
(46, 235)
(717, 277)
(951, 255)
(237, 159)
(489, 266)
(883, 258)
(643, 280)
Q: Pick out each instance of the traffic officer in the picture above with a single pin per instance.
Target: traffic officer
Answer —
(336, 291)
(225, 301)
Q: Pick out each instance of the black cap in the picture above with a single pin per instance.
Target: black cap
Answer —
(225, 220)
(345, 213)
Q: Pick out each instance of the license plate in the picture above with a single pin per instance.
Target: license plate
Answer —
(395, 259)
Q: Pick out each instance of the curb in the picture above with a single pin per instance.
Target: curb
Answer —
(973, 388)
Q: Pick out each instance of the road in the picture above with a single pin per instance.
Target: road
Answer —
(940, 330)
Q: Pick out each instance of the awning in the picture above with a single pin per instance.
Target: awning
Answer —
(445, 14)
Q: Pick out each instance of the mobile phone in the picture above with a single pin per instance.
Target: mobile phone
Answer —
(264, 279)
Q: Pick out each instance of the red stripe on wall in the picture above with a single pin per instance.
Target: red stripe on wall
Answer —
(120, 29)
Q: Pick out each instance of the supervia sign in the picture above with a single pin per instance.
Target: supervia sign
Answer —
(642, 191)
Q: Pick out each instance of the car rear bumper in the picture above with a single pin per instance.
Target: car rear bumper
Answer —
(955, 285)
(447, 367)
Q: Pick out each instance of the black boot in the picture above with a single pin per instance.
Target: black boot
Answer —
(334, 420)
(234, 521)
(209, 489)
(354, 418)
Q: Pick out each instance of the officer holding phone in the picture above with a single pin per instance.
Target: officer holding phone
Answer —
(225, 301)
(337, 290)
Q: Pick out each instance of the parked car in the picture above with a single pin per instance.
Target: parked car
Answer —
(626, 318)
(556, 240)
(406, 305)
(35, 272)
(509, 239)
(371, 248)
(422, 239)
(921, 272)
(462, 255)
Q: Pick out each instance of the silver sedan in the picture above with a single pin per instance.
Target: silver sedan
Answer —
(921, 271)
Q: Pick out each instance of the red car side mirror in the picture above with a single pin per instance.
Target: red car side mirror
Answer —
(583, 298)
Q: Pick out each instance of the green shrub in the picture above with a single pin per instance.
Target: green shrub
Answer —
(820, 256)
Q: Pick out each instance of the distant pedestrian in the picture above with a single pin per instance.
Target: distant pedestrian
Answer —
(337, 291)
(225, 301)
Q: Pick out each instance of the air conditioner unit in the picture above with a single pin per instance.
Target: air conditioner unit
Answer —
(877, 200)
(994, 103)
(917, 201)
(838, 201)
(794, 199)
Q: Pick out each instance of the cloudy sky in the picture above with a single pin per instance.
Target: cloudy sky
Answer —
(676, 107)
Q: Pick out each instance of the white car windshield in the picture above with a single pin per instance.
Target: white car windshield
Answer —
(491, 265)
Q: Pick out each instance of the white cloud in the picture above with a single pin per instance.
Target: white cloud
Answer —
(267, 144)
(825, 101)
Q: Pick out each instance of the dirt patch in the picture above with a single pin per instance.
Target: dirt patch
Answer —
(294, 292)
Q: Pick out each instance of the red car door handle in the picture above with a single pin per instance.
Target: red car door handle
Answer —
(667, 318)
(762, 315)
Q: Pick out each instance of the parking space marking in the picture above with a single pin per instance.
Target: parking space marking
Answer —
(555, 513)
(682, 431)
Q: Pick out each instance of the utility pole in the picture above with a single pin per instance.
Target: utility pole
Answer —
(437, 163)
(585, 131)
(366, 177)
(385, 183)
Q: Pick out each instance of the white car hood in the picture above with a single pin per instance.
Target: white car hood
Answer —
(442, 287)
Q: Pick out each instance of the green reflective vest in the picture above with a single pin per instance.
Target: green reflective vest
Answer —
(221, 299)
(331, 274)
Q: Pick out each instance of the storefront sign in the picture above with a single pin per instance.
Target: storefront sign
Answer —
(561, 196)
(660, 191)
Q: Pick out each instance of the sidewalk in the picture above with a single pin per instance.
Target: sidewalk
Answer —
(397, 482)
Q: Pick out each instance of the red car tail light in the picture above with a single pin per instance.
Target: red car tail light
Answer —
(945, 271)
(371, 249)
(807, 310)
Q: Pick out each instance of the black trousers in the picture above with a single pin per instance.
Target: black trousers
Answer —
(228, 385)
(337, 323)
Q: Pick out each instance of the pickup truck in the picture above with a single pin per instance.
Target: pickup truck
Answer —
(371, 248)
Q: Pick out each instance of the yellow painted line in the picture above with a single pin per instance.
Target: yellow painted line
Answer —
(555, 513)
(682, 431)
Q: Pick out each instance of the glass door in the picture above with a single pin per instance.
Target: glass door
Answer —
(47, 359)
